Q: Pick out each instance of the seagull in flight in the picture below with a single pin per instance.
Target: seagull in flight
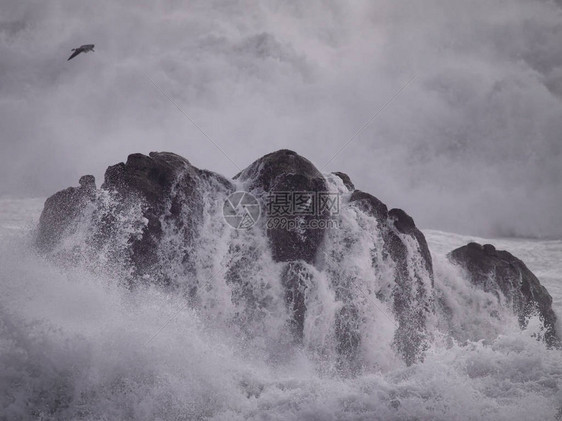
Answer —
(86, 48)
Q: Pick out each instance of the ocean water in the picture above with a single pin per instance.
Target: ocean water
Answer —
(75, 344)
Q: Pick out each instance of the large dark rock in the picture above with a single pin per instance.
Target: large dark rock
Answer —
(166, 191)
(511, 281)
(148, 213)
(270, 178)
(275, 178)
(159, 177)
(171, 190)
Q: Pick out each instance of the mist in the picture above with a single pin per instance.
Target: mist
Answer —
(467, 97)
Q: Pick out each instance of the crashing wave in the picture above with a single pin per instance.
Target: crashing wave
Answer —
(348, 282)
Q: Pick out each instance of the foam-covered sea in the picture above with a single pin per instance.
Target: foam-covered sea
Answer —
(74, 345)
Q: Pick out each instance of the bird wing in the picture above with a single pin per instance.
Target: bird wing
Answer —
(87, 47)
(75, 53)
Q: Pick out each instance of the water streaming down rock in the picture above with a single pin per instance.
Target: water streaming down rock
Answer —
(345, 283)
(284, 172)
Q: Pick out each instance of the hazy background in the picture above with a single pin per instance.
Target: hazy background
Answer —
(472, 145)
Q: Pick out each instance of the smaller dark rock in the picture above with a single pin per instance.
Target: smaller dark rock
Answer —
(87, 182)
(488, 248)
(346, 180)
(61, 210)
(410, 296)
(500, 272)
(402, 221)
(370, 204)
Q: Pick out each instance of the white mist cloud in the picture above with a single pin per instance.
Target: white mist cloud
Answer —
(473, 144)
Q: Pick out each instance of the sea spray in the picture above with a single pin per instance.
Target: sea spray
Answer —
(78, 345)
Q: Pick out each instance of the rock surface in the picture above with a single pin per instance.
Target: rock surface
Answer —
(274, 178)
(171, 191)
(412, 295)
(511, 281)
(138, 200)
(61, 212)
(283, 172)
(346, 180)
(161, 196)
(146, 220)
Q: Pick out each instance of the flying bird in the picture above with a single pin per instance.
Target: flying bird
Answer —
(86, 48)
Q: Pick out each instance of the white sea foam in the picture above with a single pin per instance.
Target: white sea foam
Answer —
(78, 345)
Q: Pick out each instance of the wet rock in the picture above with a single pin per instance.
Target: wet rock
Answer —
(511, 281)
(275, 178)
(61, 211)
(346, 180)
(404, 223)
(88, 182)
(276, 174)
(166, 187)
(370, 204)
(412, 293)
(149, 210)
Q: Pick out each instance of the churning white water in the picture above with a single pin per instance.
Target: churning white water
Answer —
(76, 344)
